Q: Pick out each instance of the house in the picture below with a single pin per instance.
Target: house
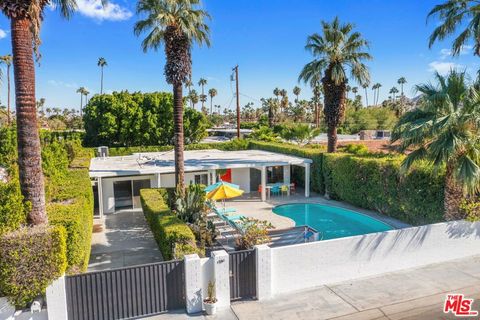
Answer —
(117, 180)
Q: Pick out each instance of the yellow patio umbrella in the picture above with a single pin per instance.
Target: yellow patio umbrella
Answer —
(224, 191)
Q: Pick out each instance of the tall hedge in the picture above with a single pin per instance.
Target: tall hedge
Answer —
(137, 119)
(311, 152)
(378, 184)
(30, 259)
(70, 204)
(174, 238)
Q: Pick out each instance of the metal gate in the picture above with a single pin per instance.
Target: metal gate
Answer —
(127, 292)
(243, 275)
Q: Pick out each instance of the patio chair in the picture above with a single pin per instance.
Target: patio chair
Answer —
(285, 189)
(293, 189)
(275, 191)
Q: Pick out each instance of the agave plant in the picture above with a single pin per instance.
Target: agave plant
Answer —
(190, 206)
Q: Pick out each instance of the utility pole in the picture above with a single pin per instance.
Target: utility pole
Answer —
(238, 101)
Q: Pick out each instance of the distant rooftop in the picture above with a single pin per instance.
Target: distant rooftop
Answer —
(197, 160)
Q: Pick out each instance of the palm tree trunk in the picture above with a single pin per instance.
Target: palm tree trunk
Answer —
(178, 137)
(366, 98)
(101, 82)
(81, 104)
(211, 105)
(8, 93)
(453, 196)
(28, 140)
(332, 138)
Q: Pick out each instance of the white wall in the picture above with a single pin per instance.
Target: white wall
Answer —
(313, 264)
(168, 180)
(241, 176)
(108, 194)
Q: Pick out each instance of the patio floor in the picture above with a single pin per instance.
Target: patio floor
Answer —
(412, 294)
(251, 206)
(126, 240)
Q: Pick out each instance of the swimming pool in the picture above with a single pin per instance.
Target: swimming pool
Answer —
(331, 222)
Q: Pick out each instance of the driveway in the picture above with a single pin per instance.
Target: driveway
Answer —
(125, 241)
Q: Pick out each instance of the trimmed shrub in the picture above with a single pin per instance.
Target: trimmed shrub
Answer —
(30, 259)
(70, 204)
(313, 152)
(12, 209)
(174, 238)
(378, 184)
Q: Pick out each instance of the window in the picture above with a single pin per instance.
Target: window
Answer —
(201, 179)
(275, 174)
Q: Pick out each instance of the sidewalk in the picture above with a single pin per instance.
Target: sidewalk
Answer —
(414, 294)
(411, 294)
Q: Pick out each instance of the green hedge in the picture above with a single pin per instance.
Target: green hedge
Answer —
(70, 204)
(378, 184)
(30, 259)
(311, 152)
(169, 231)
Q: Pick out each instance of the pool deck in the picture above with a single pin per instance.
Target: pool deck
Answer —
(252, 206)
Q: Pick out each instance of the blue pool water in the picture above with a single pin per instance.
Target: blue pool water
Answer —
(331, 222)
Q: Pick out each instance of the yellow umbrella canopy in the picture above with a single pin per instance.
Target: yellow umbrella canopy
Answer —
(224, 191)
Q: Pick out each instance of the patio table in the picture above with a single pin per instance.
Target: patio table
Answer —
(271, 185)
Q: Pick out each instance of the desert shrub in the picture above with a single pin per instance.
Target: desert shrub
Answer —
(49, 136)
(255, 233)
(471, 208)
(70, 204)
(174, 238)
(378, 184)
(356, 149)
(30, 259)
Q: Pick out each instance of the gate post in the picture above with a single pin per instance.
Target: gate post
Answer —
(221, 275)
(264, 271)
(193, 283)
(57, 300)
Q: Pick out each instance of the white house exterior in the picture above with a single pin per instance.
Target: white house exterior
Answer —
(117, 180)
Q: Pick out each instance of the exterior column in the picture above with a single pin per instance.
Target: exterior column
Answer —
(158, 181)
(209, 177)
(286, 174)
(264, 184)
(221, 275)
(264, 271)
(100, 196)
(57, 300)
(193, 283)
(307, 180)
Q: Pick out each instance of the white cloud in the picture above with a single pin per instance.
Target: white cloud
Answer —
(55, 83)
(111, 11)
(3, 34)
(445, 53)
(443, 67)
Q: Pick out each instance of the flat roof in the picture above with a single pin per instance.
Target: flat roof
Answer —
(195, 160)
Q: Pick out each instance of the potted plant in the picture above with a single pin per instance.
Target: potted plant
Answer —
(210, 302)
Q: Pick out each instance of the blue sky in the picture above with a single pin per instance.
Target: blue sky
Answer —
(266, 39)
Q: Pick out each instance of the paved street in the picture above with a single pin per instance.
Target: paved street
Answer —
(407, 295)
(125, 241)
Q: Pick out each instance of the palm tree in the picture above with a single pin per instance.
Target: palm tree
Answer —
(7, 60)
(393, 92)
(193, 96)
(276, 93)
(25, 21)
(401, 82)
(296, 92)
(203, 98)
(284, 101)
(454, 14)
(348, 89)
(355, 90)
(212, 93)
(374, 89)
(81, 91)
(86, 93)
(445, 131)
(365, 87)
(337, 49)
(313, 76)
(378, 85)
(177, 24)
(101, 63)
(188, 85)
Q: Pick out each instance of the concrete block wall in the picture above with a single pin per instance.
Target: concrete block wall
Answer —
(314, 264)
